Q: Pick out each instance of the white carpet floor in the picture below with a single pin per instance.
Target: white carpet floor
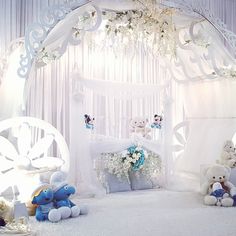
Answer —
(145, 213)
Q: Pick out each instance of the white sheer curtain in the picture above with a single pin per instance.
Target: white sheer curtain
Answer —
(113, 109)
(15, 16)
(12, 87)
(52, 89)
(210, 111)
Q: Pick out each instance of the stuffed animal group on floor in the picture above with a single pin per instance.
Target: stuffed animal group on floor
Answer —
(217, 189)
(228, 154)
(52, 200)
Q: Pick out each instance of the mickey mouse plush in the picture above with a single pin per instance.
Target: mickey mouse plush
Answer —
(89, 121)
(157, 121)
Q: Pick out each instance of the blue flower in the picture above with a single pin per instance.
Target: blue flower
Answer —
(131, 149)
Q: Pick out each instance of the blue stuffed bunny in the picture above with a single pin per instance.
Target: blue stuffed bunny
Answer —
(62, 192)
(43, 198)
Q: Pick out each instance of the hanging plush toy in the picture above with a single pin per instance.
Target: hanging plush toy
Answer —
(157, 123)
(43, 198)
(89, 122)
(62, 192)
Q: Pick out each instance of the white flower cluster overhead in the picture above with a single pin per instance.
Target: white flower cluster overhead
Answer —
(151, 26)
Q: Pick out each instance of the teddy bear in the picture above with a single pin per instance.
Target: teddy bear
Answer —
(45, 210)
(218, 174)
(228, 155)
(157, 122)
(89, 122)
(6, 212)
(62, 191)
(138, 126)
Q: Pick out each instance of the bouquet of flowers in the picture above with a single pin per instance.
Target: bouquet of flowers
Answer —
(134, 157)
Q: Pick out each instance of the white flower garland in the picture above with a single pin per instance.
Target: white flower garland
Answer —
(46, 57)
(154, 29)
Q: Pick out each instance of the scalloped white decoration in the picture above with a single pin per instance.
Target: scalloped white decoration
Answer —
(37, 33)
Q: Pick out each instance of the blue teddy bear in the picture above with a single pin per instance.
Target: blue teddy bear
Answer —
(43, 198)
(62, 192)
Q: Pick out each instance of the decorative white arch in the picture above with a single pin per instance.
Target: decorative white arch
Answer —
(23, 163)
(192, 46)
(39, 35)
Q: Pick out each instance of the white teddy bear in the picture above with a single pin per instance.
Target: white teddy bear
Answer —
(218, 174)
(228, 155)
(138, 126)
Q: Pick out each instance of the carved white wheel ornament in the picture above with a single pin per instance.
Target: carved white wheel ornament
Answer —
(29, 157)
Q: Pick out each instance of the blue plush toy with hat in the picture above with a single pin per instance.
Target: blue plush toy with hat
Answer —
(43, 198)
(62, 192)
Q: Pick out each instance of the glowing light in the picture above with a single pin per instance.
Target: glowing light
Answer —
(23, 167)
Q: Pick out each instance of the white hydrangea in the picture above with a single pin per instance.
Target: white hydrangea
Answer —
(115, 164)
